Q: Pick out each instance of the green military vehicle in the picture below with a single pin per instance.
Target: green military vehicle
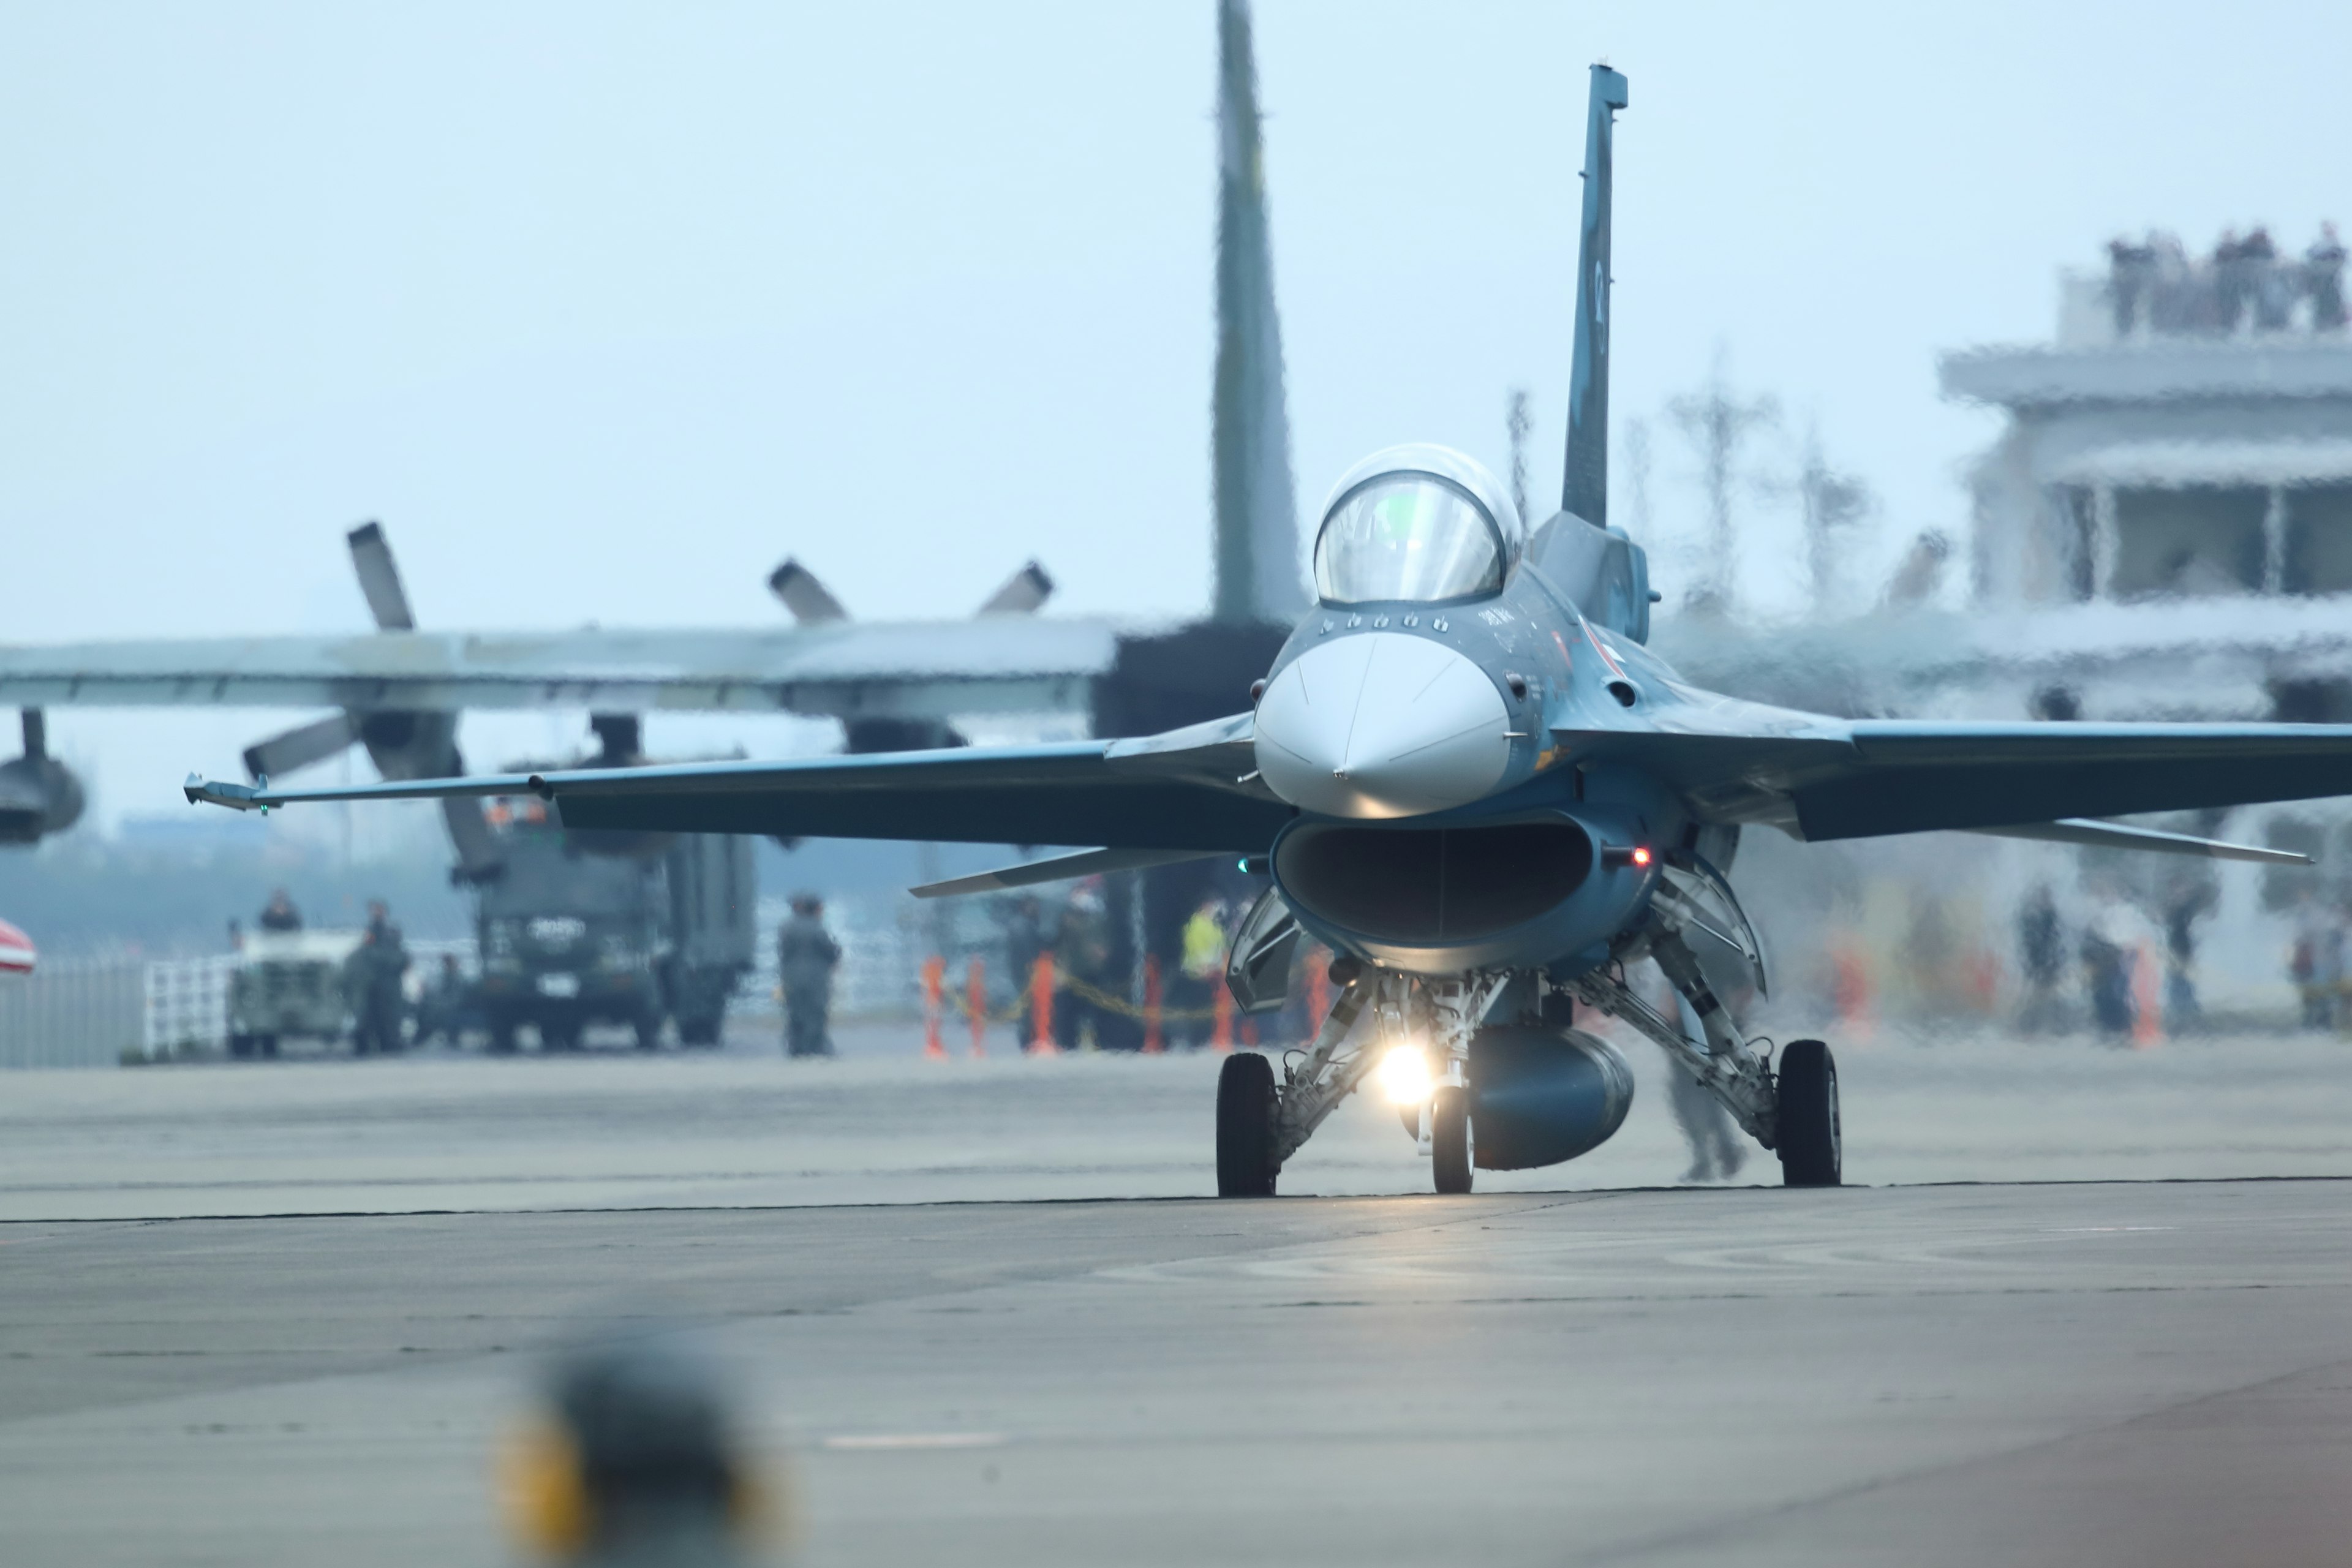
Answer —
(288, 984)
(573, 935)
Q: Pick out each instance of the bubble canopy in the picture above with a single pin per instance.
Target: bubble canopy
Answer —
(1408, 536)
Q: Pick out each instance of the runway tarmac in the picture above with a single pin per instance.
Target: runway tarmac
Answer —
(2149, 1372)
(882, 1125)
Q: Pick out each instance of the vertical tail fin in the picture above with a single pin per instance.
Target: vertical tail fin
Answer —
(1585, 491)
(1257, 511)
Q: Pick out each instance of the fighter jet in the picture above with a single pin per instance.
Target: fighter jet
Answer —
(1467, 775)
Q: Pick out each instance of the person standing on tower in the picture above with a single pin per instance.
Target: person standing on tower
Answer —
(2323, 276)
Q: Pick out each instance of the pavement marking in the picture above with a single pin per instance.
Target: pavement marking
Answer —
(914, 1440)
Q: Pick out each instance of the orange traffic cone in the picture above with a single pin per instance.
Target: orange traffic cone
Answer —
(1041, 1008)
(976, 1002)
(935, 969)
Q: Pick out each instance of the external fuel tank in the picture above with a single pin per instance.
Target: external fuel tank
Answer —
(1539, 1095)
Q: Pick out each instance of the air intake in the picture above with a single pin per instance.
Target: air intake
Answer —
(1429, 886)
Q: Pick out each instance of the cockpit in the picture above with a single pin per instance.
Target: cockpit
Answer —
(1419, 525)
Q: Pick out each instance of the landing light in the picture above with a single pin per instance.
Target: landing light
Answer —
(1404, 1074)
(1640, 855)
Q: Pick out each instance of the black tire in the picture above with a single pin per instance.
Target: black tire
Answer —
(646, 1028)
(1245, 1102)
(267, 1045)
(1812, 1145)
(240, 1045)
(1450, 1147)
(502, 1038)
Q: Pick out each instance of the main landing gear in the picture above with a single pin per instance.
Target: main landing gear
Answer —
(1245, 1114)
(1793, 1114)
(1810, 1147)
(1262, 1124)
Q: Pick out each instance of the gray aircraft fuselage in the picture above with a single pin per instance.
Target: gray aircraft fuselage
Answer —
(1460, 788)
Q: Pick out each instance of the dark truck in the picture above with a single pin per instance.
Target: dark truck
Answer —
(572, 937)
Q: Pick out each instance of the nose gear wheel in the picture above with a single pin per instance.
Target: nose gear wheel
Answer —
(1451, 1148)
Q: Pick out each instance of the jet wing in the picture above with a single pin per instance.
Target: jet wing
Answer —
(1831, 779)
(930, 670)
(1180, 790)
(1893, 660)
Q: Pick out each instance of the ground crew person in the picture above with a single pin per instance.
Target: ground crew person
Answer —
(1203, 968)
(806, 956)
(1024, 941)
(374, 974)
(280, 914)
(442, 1013)
(1082, 953)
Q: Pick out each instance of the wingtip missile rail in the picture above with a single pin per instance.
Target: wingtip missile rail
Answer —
(259, 797)
(201, 791)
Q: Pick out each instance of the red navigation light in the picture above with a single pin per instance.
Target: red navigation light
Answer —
(1640, 855)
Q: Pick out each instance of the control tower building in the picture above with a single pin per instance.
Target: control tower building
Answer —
(2178, 464)
(2163, 530)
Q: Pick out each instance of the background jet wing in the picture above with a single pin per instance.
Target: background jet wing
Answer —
(1895, 659)
(1825, 779)
(1914, 775)
(1180, 790)
(930, 670)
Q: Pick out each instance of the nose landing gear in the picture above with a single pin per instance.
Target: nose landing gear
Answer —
(1451, 1145)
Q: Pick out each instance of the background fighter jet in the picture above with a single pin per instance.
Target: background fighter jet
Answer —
(892, 685)
(1467, 775)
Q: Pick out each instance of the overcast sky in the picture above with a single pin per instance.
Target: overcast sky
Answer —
(604, 310)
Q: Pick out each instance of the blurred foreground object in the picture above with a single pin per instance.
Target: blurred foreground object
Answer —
(636, 1460)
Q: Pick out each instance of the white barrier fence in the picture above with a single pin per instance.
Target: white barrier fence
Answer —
(187, 1005)
(104, 1012)
(74, 1014)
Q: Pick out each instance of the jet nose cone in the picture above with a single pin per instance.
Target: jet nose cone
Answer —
(1382, 725)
